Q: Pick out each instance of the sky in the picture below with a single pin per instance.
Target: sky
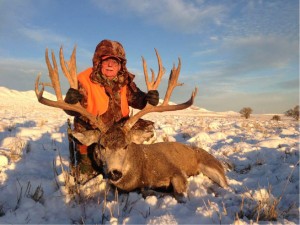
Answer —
(238, 53)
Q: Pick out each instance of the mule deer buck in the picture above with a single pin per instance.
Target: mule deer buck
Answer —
(130, 165)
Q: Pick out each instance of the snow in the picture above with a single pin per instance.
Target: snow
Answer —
(261, 158)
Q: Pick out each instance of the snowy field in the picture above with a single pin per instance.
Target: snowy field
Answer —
(261, 157)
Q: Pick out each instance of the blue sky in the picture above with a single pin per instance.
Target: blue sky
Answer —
(238, 53)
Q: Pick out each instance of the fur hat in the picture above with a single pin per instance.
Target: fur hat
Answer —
(110, 49)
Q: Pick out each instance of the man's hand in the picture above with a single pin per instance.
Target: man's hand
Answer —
(73, 96)
(152, 97)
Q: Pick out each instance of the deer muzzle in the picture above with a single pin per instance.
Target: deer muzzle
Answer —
(114, 175)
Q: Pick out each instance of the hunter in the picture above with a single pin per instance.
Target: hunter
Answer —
(106, 90)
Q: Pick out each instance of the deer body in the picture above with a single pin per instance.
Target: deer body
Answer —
(161, 165)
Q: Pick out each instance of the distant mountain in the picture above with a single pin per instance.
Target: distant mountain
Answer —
(9, 95)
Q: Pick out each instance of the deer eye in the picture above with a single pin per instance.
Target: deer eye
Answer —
(100, 145)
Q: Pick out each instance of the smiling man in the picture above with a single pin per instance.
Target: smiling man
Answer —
(110, 66)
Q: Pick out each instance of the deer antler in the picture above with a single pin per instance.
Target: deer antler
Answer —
(174, 74)
(69, 70)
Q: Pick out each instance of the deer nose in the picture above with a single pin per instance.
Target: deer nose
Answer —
(114, 175)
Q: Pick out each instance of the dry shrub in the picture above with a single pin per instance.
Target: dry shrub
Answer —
(293, 112)
(16, 145)
(276, 118)
(245, 112)
(262, 205)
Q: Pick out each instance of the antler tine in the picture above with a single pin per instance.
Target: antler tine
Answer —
(38, 93)
(70, 73)
(161, 71)
(174, 74)
(69, 68)
(53, 74)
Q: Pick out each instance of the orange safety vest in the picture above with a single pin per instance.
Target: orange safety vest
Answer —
(97, 99)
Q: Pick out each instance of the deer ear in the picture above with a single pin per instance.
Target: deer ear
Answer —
(141, 136)
(87, 137)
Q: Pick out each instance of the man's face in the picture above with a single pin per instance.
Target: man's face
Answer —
(110, 67)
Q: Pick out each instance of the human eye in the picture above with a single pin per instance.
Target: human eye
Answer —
(114, 62)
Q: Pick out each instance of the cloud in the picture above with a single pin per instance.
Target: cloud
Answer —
(237, 18)
(289, 84)
(261, 52)
(42, 35)
(179, 15)
(24, 66)
(249, 18)
(13, 13)
(17, 19)
(20, 74)
(249, 56)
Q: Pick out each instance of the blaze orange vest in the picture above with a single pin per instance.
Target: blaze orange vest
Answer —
(97, 99)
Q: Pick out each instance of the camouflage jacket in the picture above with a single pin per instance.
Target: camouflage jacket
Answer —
(136, 99)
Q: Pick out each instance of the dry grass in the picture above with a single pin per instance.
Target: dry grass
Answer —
(36, 195)
(16, 149)
(262, 205)
(42, 123)
(266, 209)
(71, 188)
(2, 213)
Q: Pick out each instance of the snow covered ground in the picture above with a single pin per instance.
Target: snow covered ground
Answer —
(261, 157)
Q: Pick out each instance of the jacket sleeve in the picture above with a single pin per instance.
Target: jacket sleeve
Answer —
(136, 97)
